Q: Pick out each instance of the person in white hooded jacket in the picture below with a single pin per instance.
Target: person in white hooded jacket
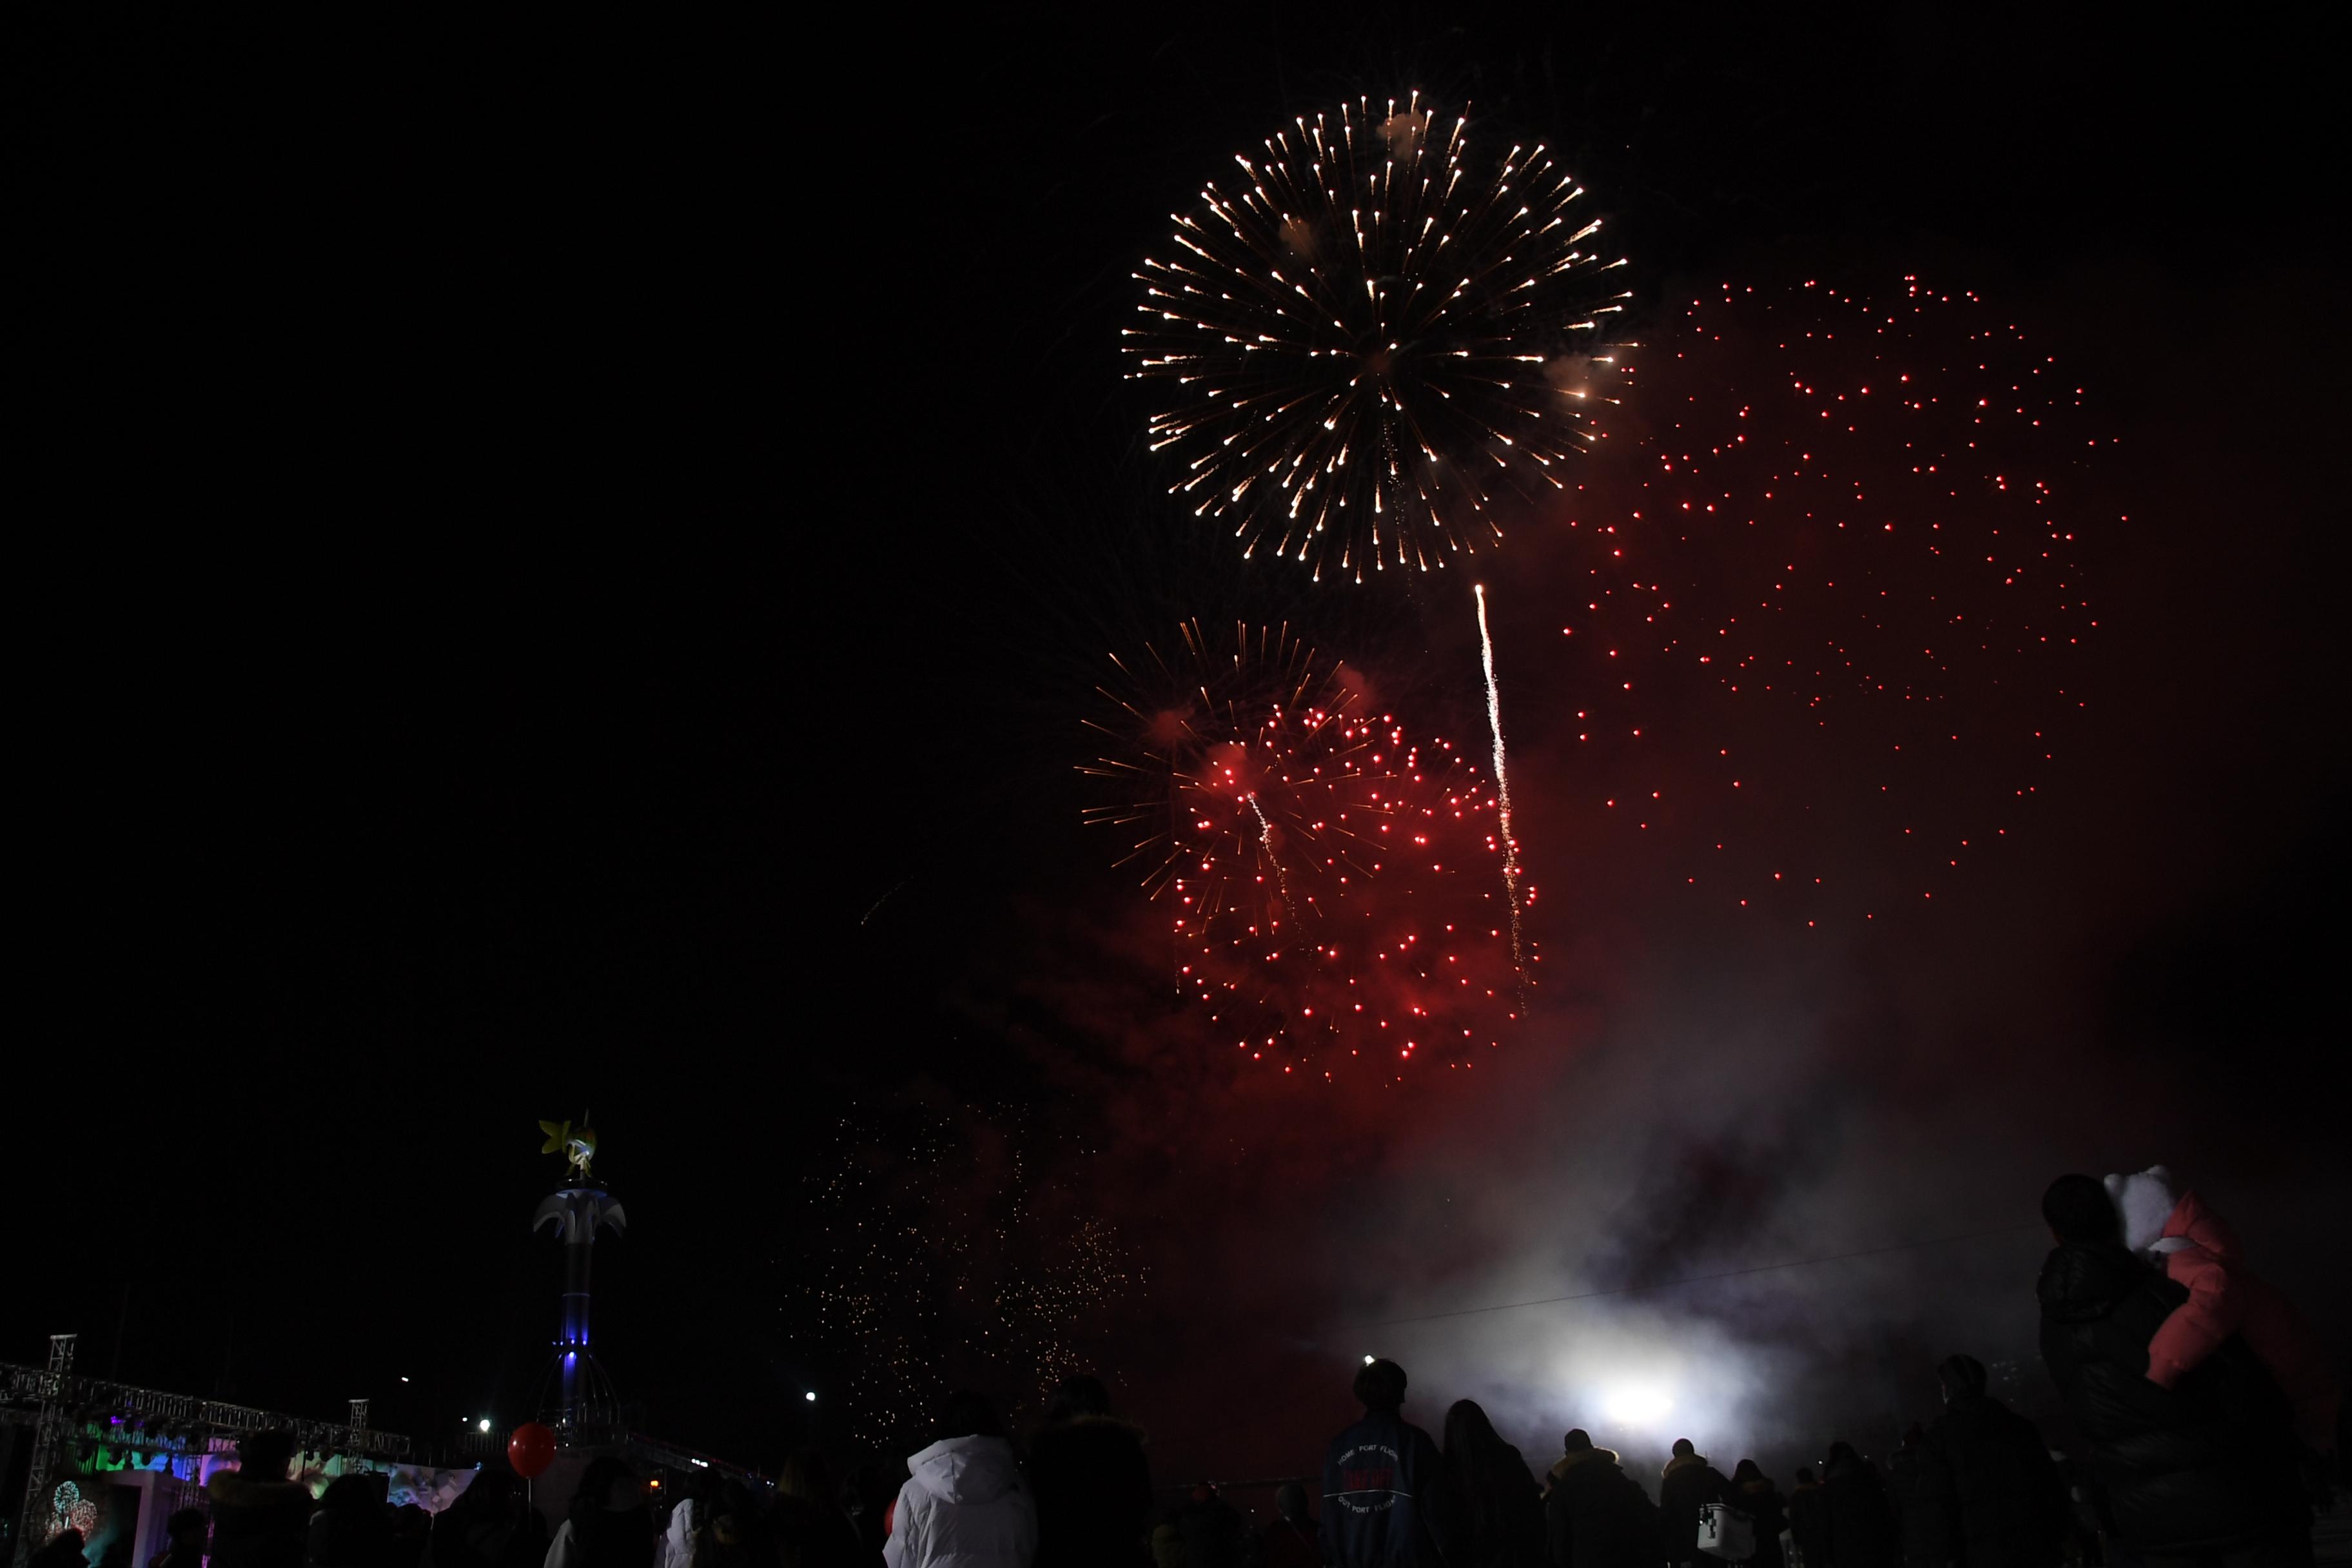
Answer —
(964, 1504)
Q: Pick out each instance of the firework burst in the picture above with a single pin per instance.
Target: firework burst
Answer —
(1333, 875)
(955, 1246)
(1230, 760)
(1374, 337)
(1839, 593)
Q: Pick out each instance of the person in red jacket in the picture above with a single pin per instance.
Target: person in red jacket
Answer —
(2202, 1255)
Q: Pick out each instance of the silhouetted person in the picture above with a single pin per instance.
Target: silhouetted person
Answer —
(608, 1524)
(1501, 1523)
(1294, 1540)
(1595, 1515)
(350, 1529)
(489, 1525)
(1688, 1485)
(2005, 1502)
(410, 1528)
(1809, 1518)
(1753, 1494)
(118, 1551)
(1212, 1529)
(1922, 1513)
(261, 1518)
(184, 1534)
(1385, 1490)
(1167, 1543)
(1863, 1532)
(865, 1498)
(737, 1535)
(2202, 1470)
(63, 1549)
(964, 1503)
(1091, 1481)
(806, 1523)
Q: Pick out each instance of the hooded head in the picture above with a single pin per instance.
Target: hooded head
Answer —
(1963, 1377)
(1684, 1449)
(2143, 1200)
(1749, 1470)
(2077, 1209)
(1469, 1434)
(1578, 1440)
(974, 1467)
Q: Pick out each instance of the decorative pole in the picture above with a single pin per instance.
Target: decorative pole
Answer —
(578, 1211)
(33, 1523)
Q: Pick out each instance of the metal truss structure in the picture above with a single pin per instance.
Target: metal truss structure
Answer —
(62, 1405)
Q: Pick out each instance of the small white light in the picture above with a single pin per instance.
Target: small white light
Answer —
(1368, 1360)
(810, 1397)
(486, 1422)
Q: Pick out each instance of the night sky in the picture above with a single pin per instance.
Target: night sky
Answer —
(562, 567)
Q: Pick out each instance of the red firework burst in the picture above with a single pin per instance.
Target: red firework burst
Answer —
(1336, 881)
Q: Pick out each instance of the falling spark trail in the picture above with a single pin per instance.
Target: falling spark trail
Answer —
(1502, 785)
(1266, 842)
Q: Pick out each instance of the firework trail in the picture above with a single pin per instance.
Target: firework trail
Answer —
(1265, 843)
(1502, 785)
(1374, 339)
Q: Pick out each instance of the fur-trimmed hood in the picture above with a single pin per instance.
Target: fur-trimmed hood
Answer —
(1568, 1462)
(1682, 1462)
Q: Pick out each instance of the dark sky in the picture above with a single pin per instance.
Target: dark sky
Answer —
(529, 531)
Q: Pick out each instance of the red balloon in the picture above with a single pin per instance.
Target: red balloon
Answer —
(532, 1449)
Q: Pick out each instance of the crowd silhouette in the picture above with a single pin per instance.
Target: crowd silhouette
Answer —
(2204, 1417)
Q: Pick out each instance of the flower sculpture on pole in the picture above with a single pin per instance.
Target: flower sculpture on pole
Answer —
(577, 1148)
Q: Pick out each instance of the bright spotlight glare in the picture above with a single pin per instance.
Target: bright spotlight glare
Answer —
(1368, 1360)
(1637, 1405)
(486, 1422)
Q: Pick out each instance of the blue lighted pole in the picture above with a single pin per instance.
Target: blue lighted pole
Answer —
(578, 1211)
